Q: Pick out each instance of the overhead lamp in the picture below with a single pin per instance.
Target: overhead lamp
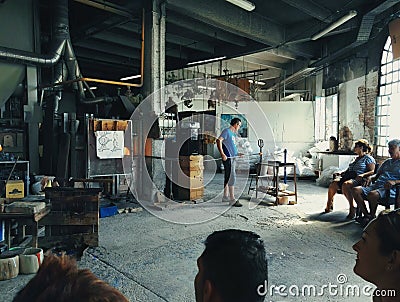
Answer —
(206, 61)
(206, 88)
(257, 82)
(130, 77)
(247, 5)
(351, 14)
(91, 88)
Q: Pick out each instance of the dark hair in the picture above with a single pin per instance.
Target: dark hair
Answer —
(59, 279)
(362, 143)
(388, 230)
(235, 263)
(235, 121)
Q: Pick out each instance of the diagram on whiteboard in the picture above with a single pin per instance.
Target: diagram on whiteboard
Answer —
(109, 144)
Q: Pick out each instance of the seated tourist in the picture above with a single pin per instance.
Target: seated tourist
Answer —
(387, 176)
(59, 279)
(232, 268)
(378, 256)
(360, 168)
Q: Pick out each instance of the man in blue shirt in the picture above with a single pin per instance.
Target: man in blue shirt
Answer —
(227, 147)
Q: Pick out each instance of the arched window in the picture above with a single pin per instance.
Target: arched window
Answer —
(388, 102)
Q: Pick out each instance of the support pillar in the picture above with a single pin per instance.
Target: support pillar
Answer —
(32, 116)
(154, 77)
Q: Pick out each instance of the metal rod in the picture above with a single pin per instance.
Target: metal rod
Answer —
(284, 168)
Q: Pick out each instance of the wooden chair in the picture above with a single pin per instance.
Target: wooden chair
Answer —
(339, 191)
(387, 202)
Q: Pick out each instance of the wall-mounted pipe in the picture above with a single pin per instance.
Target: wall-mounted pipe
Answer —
(28, 58)
(61, 35)
(83, 79)
(63, 46)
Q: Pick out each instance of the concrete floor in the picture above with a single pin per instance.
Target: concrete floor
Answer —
(150, 259)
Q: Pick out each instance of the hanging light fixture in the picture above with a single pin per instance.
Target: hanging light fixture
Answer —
(247, 5)
(351, 14)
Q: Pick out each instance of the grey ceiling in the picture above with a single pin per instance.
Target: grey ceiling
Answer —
(274, 38)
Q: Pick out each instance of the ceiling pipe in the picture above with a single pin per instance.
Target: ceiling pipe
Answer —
(62, 47)
(60, 37)
(364, 32)
(83, 79)
(28, 58)
(107, 6)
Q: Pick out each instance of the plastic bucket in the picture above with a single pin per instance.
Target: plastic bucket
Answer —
(9, 266)
(30, 260)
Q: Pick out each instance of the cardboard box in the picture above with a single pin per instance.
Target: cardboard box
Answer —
(15, 189)
(283, 200)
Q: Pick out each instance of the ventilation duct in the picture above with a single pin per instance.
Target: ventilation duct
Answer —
(19, 14)
(61, 47)
(363, 33)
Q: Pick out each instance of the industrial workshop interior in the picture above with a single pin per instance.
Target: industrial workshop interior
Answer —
(111, 137)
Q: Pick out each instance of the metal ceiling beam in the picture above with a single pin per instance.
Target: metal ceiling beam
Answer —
(194, 26)
(204, 29)
(261, 62)
(117, 38)
(90, 30)
(179, 40)
(99, 45)
(312, 9)
(100, 69)
(232, 19)
(105, 57)
(121, 39)
(240, 22)
(294, 78)
(107, 6)
(189, 43)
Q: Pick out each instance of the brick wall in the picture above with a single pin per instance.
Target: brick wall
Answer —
(367, 97)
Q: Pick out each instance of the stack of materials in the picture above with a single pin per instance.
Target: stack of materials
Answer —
(190, 181)
(25, 207)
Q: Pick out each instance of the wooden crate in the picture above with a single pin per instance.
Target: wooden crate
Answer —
(192, 162)
(74, 215)
(181, 193)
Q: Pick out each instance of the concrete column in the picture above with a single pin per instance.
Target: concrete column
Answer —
(154, 67)
(32, 116)
(154, 80)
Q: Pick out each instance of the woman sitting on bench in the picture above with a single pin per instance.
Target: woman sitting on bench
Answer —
(361, 167)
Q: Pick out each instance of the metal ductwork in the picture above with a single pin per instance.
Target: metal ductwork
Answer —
(60, 37)
(61, 47)
(28, 58)
(364, 32)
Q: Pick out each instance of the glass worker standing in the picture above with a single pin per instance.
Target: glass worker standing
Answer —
(227, 147)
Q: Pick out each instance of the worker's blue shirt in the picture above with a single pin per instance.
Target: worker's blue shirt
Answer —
(229, 144)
